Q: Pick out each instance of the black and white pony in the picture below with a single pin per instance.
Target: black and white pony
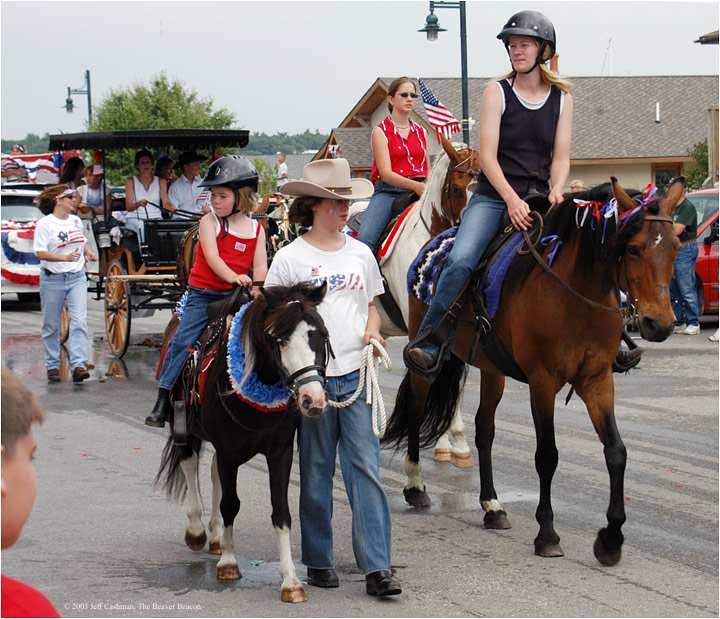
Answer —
(261, 377)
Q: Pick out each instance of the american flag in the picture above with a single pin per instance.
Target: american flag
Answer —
(439, 116)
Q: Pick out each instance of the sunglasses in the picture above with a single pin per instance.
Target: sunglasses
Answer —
(405, 95)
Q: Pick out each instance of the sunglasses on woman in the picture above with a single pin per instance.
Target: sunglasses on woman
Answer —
(405, 95)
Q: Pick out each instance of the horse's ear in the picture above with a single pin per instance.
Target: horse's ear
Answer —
(625, 202)
(674, 195)
(448, 148)
(263, 207)
(269, 296)
(318, 294)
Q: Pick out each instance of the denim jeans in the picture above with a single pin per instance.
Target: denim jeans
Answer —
(349, 431)
(478, 226)
(193, 323)
(682, 286)
(378, 213)
(55, 290)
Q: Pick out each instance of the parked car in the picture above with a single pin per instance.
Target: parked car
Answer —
(706, 266)
(20, 272)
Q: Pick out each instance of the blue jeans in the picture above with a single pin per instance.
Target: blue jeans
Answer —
(55, 290)
(378, 213)
(193, 323)
(478, 226)
(349, 431)
(682, 286)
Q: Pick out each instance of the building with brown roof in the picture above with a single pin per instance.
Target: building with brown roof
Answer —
(638, 129)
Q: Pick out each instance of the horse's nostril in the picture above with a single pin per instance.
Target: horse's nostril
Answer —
(306, 402)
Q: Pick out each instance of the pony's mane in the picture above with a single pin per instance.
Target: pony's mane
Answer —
(278, 311)
(582, 215)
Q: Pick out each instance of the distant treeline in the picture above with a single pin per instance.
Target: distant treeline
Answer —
(260, 143)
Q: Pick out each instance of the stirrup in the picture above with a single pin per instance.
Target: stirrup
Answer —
(429, 374)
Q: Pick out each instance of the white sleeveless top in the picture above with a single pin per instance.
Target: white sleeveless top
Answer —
(152, 194)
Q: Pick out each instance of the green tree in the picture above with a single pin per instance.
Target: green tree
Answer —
(697, 172)
(34, 144)
(266, 173)
(160, 104)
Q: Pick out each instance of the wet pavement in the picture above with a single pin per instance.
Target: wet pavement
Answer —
(103, 542)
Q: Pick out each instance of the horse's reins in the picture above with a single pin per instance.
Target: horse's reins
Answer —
(626, 311)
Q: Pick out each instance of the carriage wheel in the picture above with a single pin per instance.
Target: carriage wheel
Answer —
(117, 309)
(64, 325)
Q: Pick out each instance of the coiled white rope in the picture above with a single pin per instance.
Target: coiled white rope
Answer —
(369, 380)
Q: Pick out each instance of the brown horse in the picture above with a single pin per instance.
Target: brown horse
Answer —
(560, 327)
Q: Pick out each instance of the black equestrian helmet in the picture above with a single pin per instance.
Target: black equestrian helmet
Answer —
(231, 171)
(530, 24)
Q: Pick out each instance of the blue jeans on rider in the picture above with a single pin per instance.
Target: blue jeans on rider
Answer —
(378, 213)
(682, 285)
(55, 290)
(349, 432)
(478, 226)
(192, 324)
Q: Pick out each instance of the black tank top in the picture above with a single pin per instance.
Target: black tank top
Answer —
(526, 143)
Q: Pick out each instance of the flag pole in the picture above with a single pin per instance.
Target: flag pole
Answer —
(463, 59)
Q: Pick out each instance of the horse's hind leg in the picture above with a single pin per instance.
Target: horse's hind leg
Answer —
(599, 401)
(227, 567)
(279, 468)
(195, 536)
(215, 524)
(542, 398)
(491, 391)
(460, 455)
(443, 448)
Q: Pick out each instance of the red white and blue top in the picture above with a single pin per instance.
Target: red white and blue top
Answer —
(236, 251)
(408, 157)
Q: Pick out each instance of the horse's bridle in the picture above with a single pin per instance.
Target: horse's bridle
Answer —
(291, 381)
(457, 168)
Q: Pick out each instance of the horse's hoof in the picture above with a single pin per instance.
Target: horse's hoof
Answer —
(604, 554)
(442, 454)
(496, 520)
(228, 572)
(294, 595)
(195, 542)
(548, 549)
(462, 460)
(417, 498)
(214, 548)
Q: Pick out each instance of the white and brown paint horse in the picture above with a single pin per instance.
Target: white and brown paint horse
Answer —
(284, 339)
(448, 189)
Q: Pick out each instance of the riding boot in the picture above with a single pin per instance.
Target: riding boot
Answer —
(161, 411)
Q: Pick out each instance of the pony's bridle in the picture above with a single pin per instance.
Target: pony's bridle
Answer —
(448, 187)
(291, 381)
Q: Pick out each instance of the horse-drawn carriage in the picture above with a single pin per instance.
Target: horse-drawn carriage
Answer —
(138, 277)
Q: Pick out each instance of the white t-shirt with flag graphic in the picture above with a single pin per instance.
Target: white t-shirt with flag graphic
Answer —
(60, 236)
(353, 279)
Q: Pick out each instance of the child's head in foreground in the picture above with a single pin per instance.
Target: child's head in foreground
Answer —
(19, 409)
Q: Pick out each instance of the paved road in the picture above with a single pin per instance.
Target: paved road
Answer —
(101, 542)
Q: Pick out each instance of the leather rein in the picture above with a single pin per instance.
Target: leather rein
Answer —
(629, 311)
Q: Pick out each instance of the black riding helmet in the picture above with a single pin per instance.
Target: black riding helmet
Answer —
(231, 171)
(531, 24)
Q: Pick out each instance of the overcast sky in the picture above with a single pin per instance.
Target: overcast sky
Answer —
(291, 66)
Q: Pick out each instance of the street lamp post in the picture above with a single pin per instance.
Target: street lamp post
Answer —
(70, 106)
(432, 27)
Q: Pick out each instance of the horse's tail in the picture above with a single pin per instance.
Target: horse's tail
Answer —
(442, 400)
(170, 476)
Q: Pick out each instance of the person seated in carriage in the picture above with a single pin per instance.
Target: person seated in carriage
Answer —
(401, 160)
(231, 246)
(144, 195)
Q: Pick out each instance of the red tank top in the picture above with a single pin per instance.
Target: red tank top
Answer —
(236, 251)
(409, 157)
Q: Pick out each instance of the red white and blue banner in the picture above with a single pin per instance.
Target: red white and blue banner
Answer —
(20, 264)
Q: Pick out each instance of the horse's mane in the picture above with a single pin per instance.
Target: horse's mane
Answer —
(433, 189)
(601, 240)
(278, 311)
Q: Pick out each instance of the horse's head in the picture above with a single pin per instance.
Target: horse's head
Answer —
(647, 245)
(462, 170)
(294, 343)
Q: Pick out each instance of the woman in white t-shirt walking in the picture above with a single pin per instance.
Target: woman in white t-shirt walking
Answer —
(61, 247)
(325, 254)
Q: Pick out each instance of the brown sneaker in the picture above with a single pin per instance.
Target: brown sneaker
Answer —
(80, 374)
(53, 375)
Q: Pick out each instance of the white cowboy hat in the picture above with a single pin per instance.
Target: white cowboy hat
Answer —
(328, 178)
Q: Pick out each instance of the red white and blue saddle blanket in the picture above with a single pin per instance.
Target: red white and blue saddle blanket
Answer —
(425, 269)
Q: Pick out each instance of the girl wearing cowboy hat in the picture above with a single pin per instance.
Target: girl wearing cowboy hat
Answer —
(325, 254)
